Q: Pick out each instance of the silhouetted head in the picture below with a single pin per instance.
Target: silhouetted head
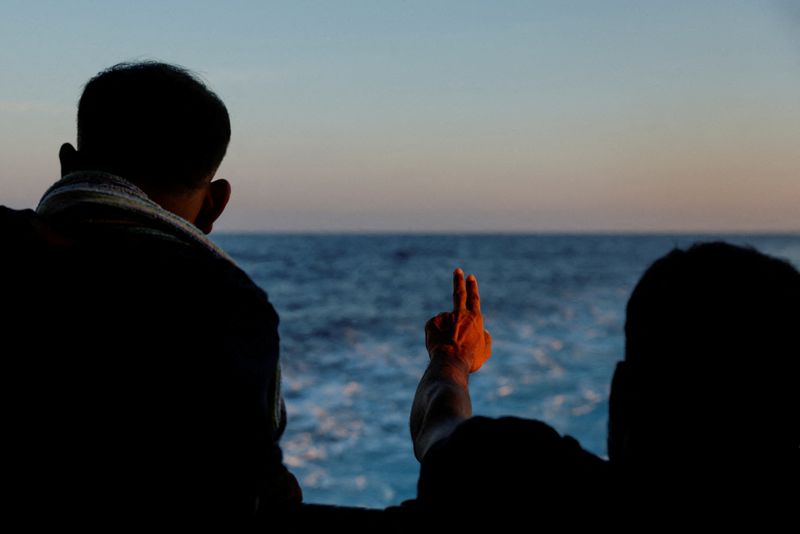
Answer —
(710, 377)
(160, 127)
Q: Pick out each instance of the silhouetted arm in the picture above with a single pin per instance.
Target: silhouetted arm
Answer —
(441, 402)
(457, 345)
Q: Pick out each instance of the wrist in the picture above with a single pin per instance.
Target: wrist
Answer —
(447, 356)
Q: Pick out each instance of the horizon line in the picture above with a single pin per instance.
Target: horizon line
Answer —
(603, 232)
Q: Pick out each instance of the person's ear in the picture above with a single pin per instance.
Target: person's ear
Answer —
(69, 158)
(216, 198)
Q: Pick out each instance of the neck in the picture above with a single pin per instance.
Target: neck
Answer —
(184, 204)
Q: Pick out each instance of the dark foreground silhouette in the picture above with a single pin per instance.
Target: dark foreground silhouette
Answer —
(142, 363)
(704, 422)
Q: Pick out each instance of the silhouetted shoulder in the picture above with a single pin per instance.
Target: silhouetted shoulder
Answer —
(159, 350)
(510, 467)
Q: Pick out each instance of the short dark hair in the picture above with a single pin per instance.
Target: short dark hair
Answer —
(711, 360)
(152, 123)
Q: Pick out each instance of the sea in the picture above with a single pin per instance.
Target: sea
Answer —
(352, 311)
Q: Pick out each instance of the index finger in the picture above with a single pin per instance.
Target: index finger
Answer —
(459, 291)
(473, 297)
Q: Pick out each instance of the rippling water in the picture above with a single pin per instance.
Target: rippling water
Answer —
(352, 312)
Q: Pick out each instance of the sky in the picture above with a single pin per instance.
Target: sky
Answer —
(446, 116)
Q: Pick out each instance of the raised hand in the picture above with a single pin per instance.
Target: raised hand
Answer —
(459, 335)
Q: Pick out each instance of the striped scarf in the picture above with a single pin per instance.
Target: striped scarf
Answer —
(81, 191)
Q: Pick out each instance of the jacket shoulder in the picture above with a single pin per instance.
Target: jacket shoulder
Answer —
(26, 227)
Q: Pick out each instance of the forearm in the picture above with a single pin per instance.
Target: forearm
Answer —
(458, 345)
(441, 402)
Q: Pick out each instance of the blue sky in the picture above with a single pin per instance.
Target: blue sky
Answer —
(447, 116)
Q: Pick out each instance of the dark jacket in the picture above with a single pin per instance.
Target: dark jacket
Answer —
(140, 376)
